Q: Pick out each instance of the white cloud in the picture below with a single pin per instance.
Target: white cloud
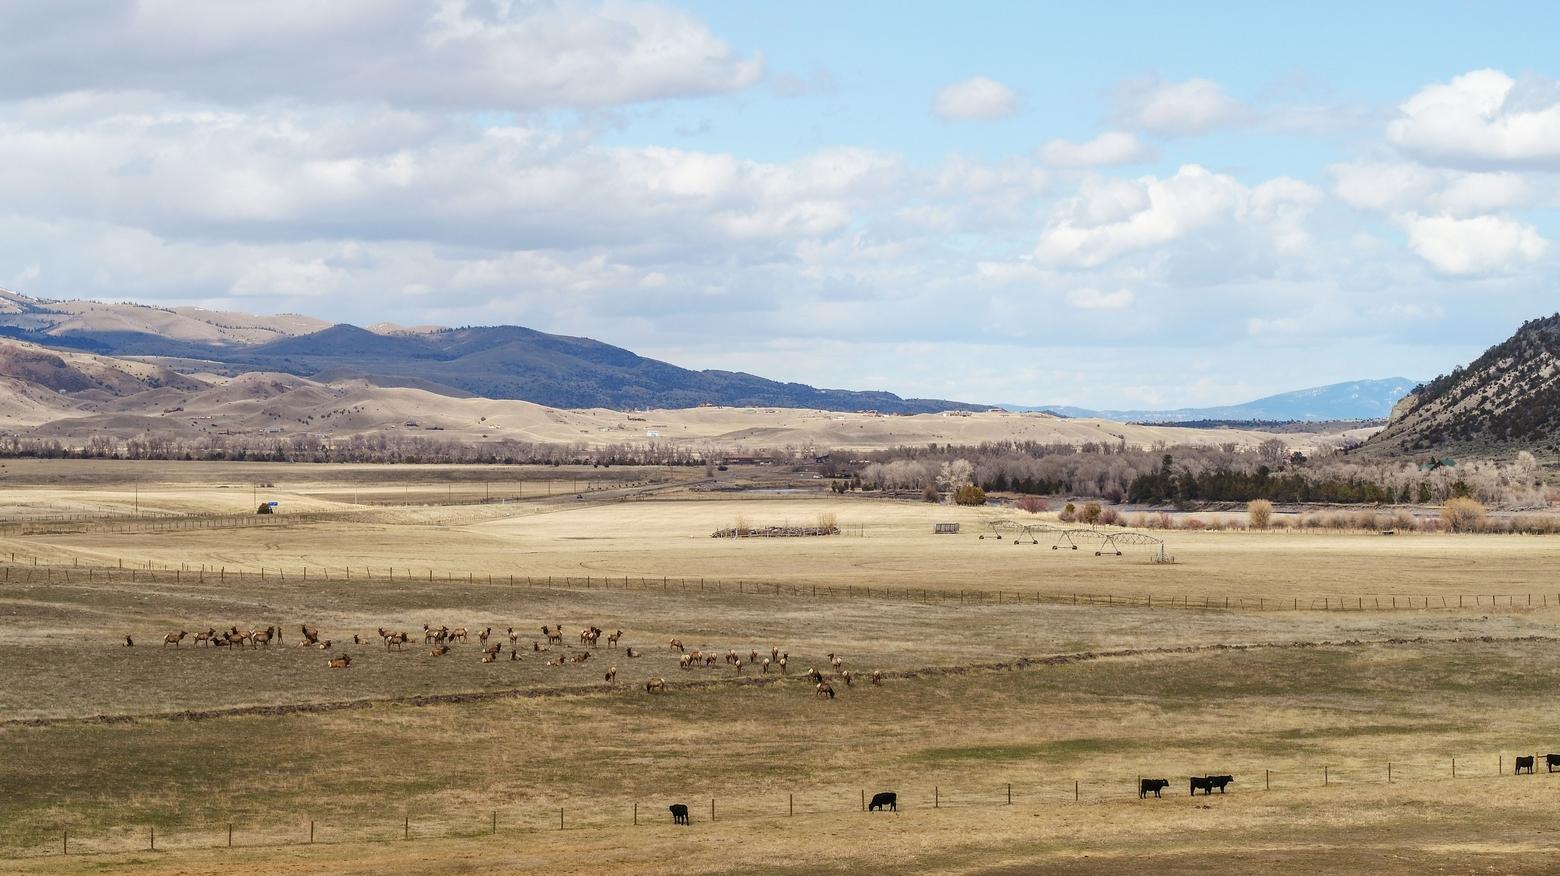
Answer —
(1401, 186)
(1480, 245)
(975, 98)
(1482, 119)
(1111, 218)
(1175, 109)
(1109, 148)
(1093, 299)
(513, 56)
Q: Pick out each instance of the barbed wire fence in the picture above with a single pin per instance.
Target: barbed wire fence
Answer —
(919, 795)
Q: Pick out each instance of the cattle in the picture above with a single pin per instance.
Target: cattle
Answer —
(884, 800)
(1525, 764)
(1550, 760)
(679, 813)
(1154, 785)
(1207, 783)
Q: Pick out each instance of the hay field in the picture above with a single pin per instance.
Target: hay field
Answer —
(110, 742)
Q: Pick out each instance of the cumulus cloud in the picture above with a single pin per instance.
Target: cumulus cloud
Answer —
(975, 98)
(1483, 118)
(1093, 299)
(1109, 148)
(1111, 218)
(450, 53)
(1480, 245)
(1175, 109)
(1401, 186)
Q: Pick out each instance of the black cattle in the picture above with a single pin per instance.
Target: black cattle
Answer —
(1154, 785)
(1525, 764)
(1551, 761)
(679, 813)
(1206, 784)
(887, 799)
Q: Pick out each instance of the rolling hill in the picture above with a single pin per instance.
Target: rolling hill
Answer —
(1506, 400)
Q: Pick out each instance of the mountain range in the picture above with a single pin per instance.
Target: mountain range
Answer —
(1352, 400)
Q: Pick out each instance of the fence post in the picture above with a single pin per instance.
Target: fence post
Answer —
(1075, 790)
(154, 838)
(560, 818)
(65, 841)
(1267, 780)
(495, 822)
(1389, 772)
(230, 834)
(1454, 767)
(712, 809)
(1324, 776)
(311, 831)
(863, 799)
(406, 828)
(636, 814)
(936, 797)
(1010, 793)
(790, 805)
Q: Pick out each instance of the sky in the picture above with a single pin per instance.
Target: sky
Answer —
(1127, 205)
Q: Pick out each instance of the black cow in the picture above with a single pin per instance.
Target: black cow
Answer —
(679, 813)
(1155, 785)
(1206, 784)
(1525, 764)
(887, 799)
(1552, 761)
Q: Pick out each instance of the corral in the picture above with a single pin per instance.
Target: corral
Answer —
(1064, 707)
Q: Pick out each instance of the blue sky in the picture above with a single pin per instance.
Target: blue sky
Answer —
(1134, 206)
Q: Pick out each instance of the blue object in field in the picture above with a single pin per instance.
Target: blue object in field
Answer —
(272, 504)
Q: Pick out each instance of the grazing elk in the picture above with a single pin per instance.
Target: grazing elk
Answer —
(877, 676)
(766, 665)
(825, 690)
(815, 676)
(655, 685)
(129, 642)
(847, 677)
(679, 813)
(174, 638)
(782, 666)
(774, 654)
(753, 656)
(341, 662)
(1154, 785)
(685, 661)
(676, 645)
(1525, 764)
(884, 800)
(611, 674)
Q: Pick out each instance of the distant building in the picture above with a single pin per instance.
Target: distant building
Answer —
(945, 528)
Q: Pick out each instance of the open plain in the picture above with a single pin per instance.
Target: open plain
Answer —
(1316, 678)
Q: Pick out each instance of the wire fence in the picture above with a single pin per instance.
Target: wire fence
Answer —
(535, 817)
(17, 567)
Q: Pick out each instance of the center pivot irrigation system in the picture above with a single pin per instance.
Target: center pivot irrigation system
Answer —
(1104, 541)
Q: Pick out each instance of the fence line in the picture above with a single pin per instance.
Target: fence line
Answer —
(771, 805)
(17, 567)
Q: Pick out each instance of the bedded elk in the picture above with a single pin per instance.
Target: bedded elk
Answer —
(311, 635)
(174, 638)
(439, 650)
(341, 662)
(489, 656)
(632, 652)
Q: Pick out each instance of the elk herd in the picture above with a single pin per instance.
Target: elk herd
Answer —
(442, 640)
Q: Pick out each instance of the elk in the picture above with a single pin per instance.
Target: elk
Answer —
(341, 662)
(537, 647)
(815, 676)
(739, 667)
(311, 635)
(709, 660)
(633, 653)
(514, 639)
(837, 662)
(439, 650)
(612, 638)
(554, 637)
(774, 654)
(766, 665)
(458, 633)
(174, 638)
(849, 679)
(675, 645)
(782, 666)
(262, 637)
(611, 674)
(877, 676)
(825, 690)
(656, 685)
(733, 657)
(395, 640)
(513, 655)
(753, 656)
(489, 656)
(580, 657)
(205, 638)
(685, 661)
(482, 637)
(324, 645)
(129, 642)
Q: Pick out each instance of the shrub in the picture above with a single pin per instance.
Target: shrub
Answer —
(1194, 523)
(1091, 513)
(929, 494)
(1067, 515)
(827, 521)
(1259, 513)
(969, 494)
(1109, 517)
(1033, 504)
(1462, 514)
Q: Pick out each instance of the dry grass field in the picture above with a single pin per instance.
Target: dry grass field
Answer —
(110, 743)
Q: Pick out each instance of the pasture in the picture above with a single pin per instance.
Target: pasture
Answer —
(110, 742)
